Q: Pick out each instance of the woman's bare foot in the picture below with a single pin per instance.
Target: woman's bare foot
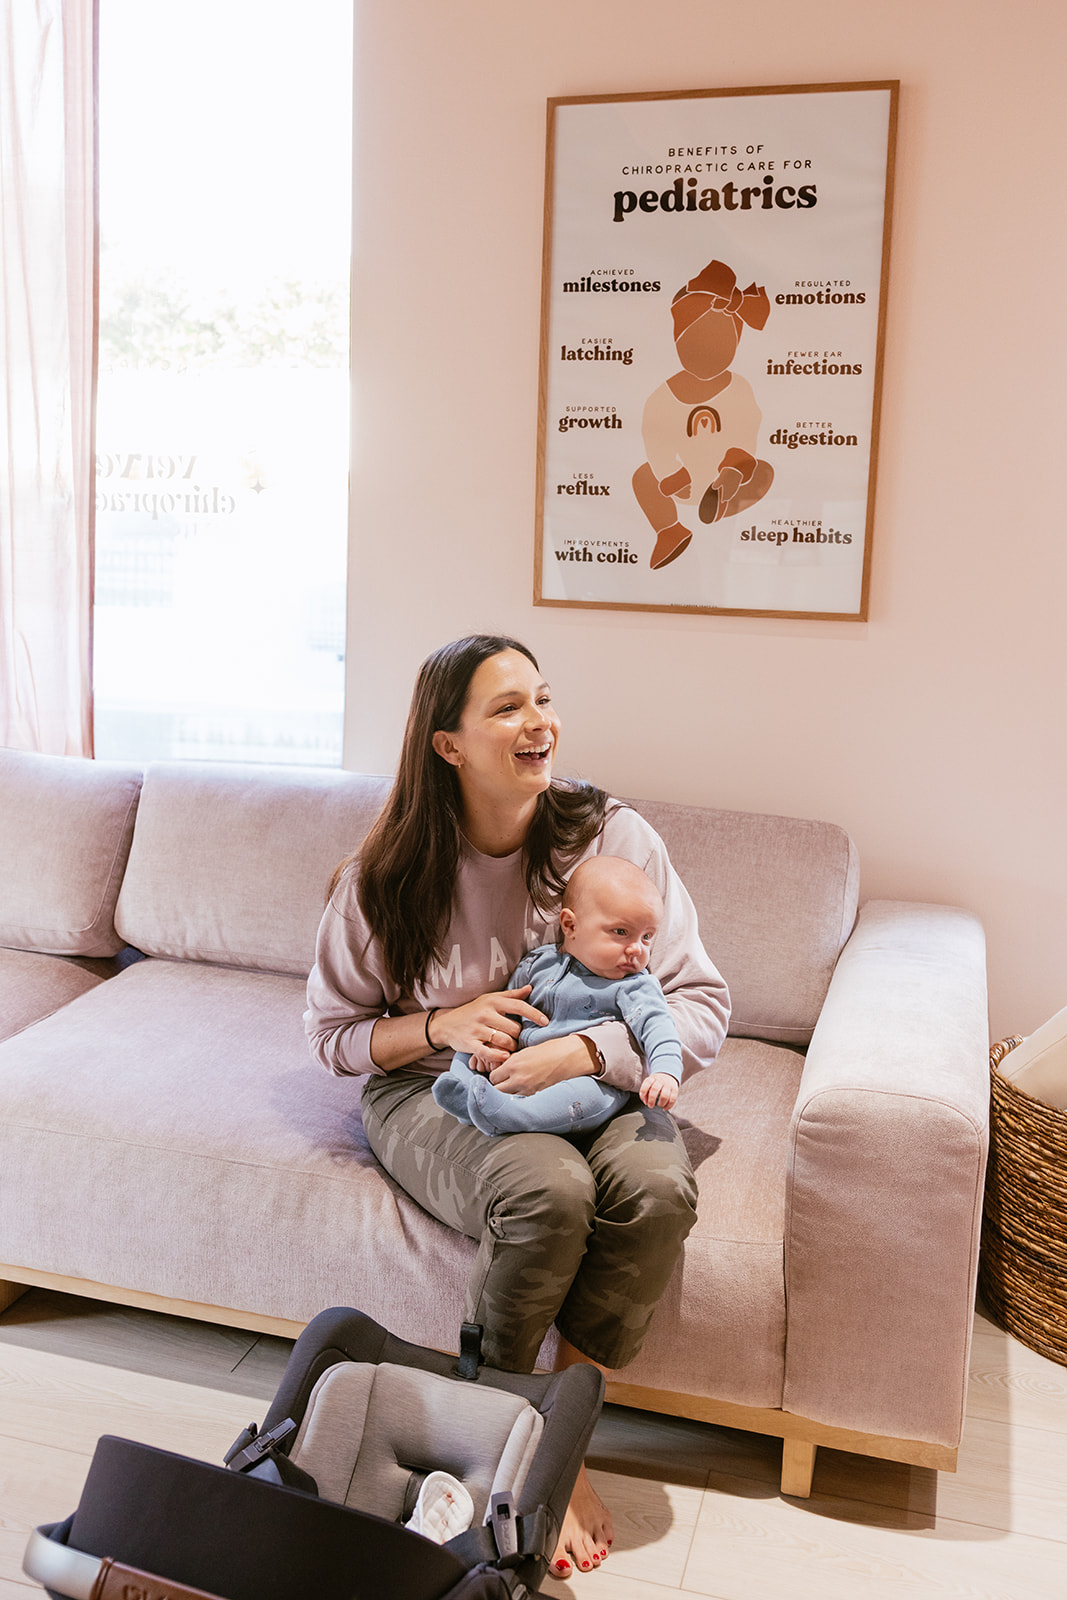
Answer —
(587, 1533)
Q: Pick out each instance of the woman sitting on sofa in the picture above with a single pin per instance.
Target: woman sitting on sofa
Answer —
(462, 874)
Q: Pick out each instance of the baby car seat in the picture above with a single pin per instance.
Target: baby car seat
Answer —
(314, 1503)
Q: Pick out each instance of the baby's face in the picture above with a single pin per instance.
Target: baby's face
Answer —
(610, 931)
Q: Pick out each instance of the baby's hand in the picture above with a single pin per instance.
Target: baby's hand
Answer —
(480, 1064)
(659, 1090)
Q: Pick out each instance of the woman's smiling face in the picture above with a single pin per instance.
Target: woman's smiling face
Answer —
(505, 745)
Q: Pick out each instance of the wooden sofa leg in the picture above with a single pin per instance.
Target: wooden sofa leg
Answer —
(798, 1466)
(10, 1292)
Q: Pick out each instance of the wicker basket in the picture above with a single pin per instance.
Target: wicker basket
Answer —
(1022, 1270)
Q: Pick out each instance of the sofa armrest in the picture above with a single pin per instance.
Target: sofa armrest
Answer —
(884, 1190)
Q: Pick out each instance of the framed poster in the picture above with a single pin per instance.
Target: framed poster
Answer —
(713, 312)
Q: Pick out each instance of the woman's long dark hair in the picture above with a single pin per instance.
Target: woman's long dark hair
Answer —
(408, 861)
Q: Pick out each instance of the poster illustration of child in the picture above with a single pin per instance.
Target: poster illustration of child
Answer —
(701, 427)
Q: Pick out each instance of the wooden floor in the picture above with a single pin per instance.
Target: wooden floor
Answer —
(697, 1509)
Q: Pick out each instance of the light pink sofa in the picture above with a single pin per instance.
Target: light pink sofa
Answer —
(165, 1139)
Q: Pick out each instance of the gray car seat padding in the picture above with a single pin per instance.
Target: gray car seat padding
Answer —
(368, 1427)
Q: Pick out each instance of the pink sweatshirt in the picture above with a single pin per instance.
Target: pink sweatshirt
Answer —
(494, 924)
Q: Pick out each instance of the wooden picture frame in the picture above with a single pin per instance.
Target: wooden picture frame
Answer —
(712, 333)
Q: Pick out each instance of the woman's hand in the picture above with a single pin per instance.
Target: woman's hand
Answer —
(488, 1027)
(541, 1064)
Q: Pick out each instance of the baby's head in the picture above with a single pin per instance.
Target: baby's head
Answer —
(610, 915)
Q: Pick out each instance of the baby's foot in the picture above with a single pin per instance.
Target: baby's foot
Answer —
(587, 1533)
(669, 545)
(451, 1091)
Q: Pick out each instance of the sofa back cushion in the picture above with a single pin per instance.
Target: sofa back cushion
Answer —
(65, 831)
(230, 863)
(776, 898)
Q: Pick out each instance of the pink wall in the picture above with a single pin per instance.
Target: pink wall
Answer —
(935, 731)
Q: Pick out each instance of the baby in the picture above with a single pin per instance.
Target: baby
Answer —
(610, 915)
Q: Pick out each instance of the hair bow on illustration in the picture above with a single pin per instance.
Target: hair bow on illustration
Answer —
(715, 289)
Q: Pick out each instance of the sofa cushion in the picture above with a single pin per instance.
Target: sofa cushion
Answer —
(203, 1157)
(776, 898)
(721, 1326)
(168, 1132)
(32, 986)
(230, 864)
(65, 831)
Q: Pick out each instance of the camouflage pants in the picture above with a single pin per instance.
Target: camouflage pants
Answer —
(582, 1231)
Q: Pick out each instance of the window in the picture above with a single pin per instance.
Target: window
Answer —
(223, 401)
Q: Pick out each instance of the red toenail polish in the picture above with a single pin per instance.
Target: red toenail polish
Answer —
(584, 1565)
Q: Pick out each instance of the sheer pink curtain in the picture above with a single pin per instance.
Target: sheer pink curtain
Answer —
(47, 372)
